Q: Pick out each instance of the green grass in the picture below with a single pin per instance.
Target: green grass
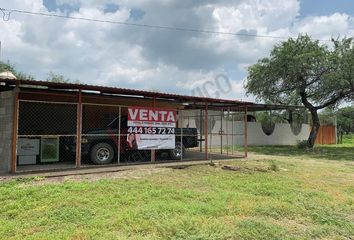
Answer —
(348, 140)
(300, 196)
(344, 151)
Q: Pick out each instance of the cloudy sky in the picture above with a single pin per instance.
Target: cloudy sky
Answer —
(162, 60)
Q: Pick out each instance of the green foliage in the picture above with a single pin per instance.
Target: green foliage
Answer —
(56, 77)
(345, 119)
(6, 67)
(299, 65)
(304, 71)
(343, 151)
(348, 140)
(302, 144)
(52, 77)
(18, 74)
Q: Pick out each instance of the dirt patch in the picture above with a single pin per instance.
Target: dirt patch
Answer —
(245, 169)
(122, 174)
(179, 167)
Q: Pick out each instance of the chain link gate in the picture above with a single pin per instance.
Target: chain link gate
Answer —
(46, 135)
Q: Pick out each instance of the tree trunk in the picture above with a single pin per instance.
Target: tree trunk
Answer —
(290, 119)
(314, 130)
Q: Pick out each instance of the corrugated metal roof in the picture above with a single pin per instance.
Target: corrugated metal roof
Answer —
(196, 102)
(122, 91)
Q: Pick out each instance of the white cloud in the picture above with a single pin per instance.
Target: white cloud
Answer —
(174, 61)
(326, 26)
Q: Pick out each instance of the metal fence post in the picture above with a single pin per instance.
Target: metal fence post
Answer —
(227, 131)
(245, 133)
(78, 130)
(119, 136)
(221, 132)
(201, 130)
(15, 129)
(232, 134)
(181, 128)
(206, 131)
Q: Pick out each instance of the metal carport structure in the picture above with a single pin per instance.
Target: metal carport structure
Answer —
(80, 95)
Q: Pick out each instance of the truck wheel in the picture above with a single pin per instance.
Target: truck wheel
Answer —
(102, 153)
(175, 154)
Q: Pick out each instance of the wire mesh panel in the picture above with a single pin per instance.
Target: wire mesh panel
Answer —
(190, 134)
(226, 134)
(100, 134)
(240, 131)
(215, 131)
(46, 135)
(48, 131)
(236, 137)
(129, 149)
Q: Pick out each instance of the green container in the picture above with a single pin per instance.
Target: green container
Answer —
(49, 149)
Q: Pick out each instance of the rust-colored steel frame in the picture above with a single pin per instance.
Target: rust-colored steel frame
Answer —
(245, 133)
(15, 131)
(206, 131)
(78, 130)
(207, 103)
(120, 91)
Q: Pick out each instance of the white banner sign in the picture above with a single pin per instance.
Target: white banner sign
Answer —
(151, 128)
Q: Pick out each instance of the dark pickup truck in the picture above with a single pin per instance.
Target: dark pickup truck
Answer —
(101, 145)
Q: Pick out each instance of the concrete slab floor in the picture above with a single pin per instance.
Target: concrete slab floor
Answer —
(69, 169)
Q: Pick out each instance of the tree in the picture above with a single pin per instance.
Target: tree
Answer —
(59, 78)
(345, 119)
(56, 77)
(52, 77)
(19, 75)
(304, 71)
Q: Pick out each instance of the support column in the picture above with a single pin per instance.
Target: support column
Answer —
(245, 133)
(232, 134)
(201, 130)
(227, 131)
(221, 132)
(78, 130)
(15, 129)
(181, 135)
(152, 151)
(206, 131)
(119, 132)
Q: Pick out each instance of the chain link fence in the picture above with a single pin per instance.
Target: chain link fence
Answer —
(46, 130)
(47, 134)
(225, 133)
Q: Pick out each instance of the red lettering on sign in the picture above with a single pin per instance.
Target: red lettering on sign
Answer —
(152, 114)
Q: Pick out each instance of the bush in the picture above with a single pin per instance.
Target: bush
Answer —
(302, 144)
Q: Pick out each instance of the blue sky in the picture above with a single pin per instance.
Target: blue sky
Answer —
(326, 7)
(152, 59)
(307, 7)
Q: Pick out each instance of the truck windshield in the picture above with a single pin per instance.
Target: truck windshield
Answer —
(113, 123)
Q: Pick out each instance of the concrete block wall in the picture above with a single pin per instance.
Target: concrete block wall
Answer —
(282, 134)
(6, 125)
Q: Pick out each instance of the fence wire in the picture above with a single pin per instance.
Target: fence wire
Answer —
(46, 134)
(52, 128)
